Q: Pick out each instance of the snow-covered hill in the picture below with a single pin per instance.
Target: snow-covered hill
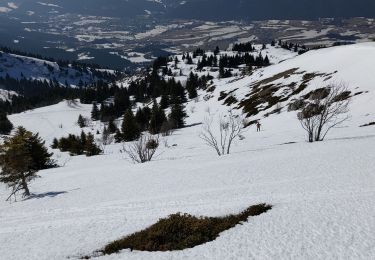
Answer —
(6, 95)
(323, 193)
(24, 67)
(291, 79)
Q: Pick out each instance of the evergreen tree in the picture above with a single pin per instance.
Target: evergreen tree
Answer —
(81, 121)
(164, 102)
(55, 143)
(112, 127)
(191, 85)
(217, 50)
(266, 61)
(95, 115)
(130, 128)
(143, 117)
(157, 119)
(90, 147)
(177, 91)
(83, 139)
(177, 115)
(121, 102)
(189, 60)
(21, 157)
(5, 125)
(221, 70)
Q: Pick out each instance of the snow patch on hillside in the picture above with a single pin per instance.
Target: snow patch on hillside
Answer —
(6, 95)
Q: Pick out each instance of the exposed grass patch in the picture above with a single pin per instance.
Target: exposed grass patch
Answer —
(224, 95)
(211, 89)
(262, 97)
(230, 100)
(369, 124)
(285, 74)
(181, 231)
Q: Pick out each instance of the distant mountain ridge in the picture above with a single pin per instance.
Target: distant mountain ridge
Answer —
(272, 9)
(205, 9)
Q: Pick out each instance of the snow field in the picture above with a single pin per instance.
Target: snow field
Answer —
(322, 193)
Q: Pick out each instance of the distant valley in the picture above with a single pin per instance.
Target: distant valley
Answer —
(134, 33)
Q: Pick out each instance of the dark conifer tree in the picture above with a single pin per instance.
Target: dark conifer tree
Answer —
(177, 115)
(191, 85)
(81, 121)
(5, 125)
(142, 119)
(130, 128)
(217, 50)
(189, 60)
(21, 157)
(112, 127)
(164, 102)
(121, 102)
(157, 119)
(90, 147)
(266, 61)
(55, 143)
(95, 115)
(83, 138)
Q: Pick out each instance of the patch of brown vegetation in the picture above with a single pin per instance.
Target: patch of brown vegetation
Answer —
(369, 124)
(181, 231)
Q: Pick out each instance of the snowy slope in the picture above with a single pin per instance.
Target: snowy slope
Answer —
(323, 193)
(6, 95)
(350, 65)
(18, 67)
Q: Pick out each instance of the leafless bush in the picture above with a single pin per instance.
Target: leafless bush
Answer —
(167, 128)
(106, 138)
(143, 150)
(325, 110)
(230, 128)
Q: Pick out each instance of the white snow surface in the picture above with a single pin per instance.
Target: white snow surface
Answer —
(6, 95)
(19, 67)
(323, 194)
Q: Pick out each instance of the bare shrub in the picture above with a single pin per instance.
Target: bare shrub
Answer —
(230, 128)
(167, 128)
(324, 110)
(296, 105)
(143, 150)
(106, 138)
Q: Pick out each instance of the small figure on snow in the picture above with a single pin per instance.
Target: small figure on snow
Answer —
(258, 126)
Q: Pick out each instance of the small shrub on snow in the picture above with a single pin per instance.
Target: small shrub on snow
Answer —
(230, 128)
(325, 108)
(143, 150)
